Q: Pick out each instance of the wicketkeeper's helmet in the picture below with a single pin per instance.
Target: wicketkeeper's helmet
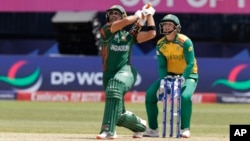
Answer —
(118, 8)
(170, 18)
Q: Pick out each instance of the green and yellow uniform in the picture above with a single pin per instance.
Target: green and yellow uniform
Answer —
(174, 58)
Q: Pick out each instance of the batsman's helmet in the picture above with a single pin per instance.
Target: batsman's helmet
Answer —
(118, 8)
(170, 18)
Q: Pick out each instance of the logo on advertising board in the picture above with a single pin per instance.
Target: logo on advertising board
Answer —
(232, 82)
(239, 85)
(27, 83)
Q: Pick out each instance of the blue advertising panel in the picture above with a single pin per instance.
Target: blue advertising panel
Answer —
(31, 73)
(7, 95)
(81, 73)
(224, 76)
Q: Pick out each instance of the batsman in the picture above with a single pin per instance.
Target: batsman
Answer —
(175, 56)
(118, 73)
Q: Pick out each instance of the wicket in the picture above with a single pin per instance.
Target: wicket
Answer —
(172, 88)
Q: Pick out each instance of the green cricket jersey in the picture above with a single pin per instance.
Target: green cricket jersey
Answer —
(176, 57)
(116, 48)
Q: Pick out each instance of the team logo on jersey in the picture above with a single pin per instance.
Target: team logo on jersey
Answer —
(124, 36)
(116, 38)
(190, 49)
(121, 36)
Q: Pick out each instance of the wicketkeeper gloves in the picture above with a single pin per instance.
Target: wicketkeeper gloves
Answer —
(182, 81)
(160, 92)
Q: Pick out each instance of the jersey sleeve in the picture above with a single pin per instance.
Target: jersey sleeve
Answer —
(189, 57)
(105, 32)
(162, 63)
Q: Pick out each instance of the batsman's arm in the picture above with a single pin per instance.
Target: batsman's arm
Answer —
(138, 19)
(150, 33)
(120, 24)
(135, 29)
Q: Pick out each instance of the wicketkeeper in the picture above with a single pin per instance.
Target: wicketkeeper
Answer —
(175, 56)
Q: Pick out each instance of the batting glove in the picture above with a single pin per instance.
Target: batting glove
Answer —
(142, 18)
(147, 9)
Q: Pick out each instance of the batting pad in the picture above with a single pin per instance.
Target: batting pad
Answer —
(113, 105)
(131, 121)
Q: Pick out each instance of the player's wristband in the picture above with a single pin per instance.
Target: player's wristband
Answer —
(151, 28)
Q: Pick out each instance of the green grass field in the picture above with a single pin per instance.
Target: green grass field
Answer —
(208, 120)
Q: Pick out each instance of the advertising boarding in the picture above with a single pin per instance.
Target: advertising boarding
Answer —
(54, 75)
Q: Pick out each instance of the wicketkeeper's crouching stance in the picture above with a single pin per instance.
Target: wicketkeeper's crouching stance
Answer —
(118, 74)
(175, 56)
